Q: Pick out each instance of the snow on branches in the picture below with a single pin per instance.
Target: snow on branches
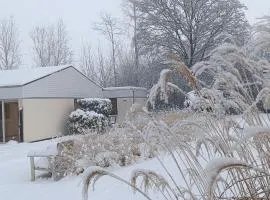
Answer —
(161, 91)
(231, 72)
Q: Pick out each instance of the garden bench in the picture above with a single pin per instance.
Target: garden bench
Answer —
(52, 156)
(51, 165)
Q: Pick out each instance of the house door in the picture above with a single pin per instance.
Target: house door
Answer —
(21, 125)
(10, 125)
(1, 123)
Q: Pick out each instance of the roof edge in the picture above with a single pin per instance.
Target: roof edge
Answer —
(47, 75)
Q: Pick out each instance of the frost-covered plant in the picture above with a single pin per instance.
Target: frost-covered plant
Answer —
(120, 146)
(259, 46)
(161, 94)
(81, 122)
(138, 138)
(228, 160)
(91, 114)
(100, 106)
(226, 83)
(233, 76)
(225, 157)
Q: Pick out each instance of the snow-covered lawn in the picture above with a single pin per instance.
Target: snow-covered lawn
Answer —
(15, 181)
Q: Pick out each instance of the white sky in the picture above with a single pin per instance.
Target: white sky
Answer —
(78, 15)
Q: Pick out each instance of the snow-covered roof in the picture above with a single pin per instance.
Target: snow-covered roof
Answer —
(124, 88)
(125, 92)
(47, 82)
(19, 77)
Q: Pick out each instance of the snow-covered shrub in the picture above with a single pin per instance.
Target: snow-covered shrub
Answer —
(163, 93)
(100, 106)
(138, 138)
(115, 148)
(91, 114)
(81, 122)
(196, 102)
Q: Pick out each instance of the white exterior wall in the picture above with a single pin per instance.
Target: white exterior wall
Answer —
(44, 118)
(68, 83)
(141, 101)
(123, 92)
(11, 93)
(124, 105)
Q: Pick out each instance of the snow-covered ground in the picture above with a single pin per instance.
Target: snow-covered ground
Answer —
(15, 181)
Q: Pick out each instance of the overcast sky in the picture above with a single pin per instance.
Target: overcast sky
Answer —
(78, 15)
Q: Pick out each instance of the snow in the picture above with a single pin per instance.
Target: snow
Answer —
(15, 175)
(255, 130)
(128, 91)
(15, 181)
(160, 89)
(124, 88)
(49, 150)
(86, 100)
(85, 114)
(21, 77)
(214, 167)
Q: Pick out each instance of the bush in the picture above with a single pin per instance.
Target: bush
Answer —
(81, 121)
(100, 106)
(91, 114)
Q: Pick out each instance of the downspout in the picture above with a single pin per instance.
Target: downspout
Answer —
(3, 122)
(133, 96)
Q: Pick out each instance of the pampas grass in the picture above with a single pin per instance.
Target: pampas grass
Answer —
(224, 157)
(241, 172)
(92, 175)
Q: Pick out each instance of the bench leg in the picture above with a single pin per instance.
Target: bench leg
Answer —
(54, 175)
(32, 163)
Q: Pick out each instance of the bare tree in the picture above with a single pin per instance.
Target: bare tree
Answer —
(109, 28)
(87, 62)
(189, 28)
(10, 57)
(51, 45)
(131, 10)
(259, 46)
(104, 69)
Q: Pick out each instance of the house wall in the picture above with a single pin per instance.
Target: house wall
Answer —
(10, 93)
(124, 105)
(44, 118)
(123, 93)
(68, 83)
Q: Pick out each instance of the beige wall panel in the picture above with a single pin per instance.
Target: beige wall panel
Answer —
(124, 105)
(44, 118)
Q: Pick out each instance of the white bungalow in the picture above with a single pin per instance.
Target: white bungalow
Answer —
(34, 103)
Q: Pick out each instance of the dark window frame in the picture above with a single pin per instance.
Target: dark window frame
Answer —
(114, 106)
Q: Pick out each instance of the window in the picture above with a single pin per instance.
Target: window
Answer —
(76, 104)
(114, 106)
(1, 111)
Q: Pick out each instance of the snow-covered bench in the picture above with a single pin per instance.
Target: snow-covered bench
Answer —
(47, 167)
(45, 160)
